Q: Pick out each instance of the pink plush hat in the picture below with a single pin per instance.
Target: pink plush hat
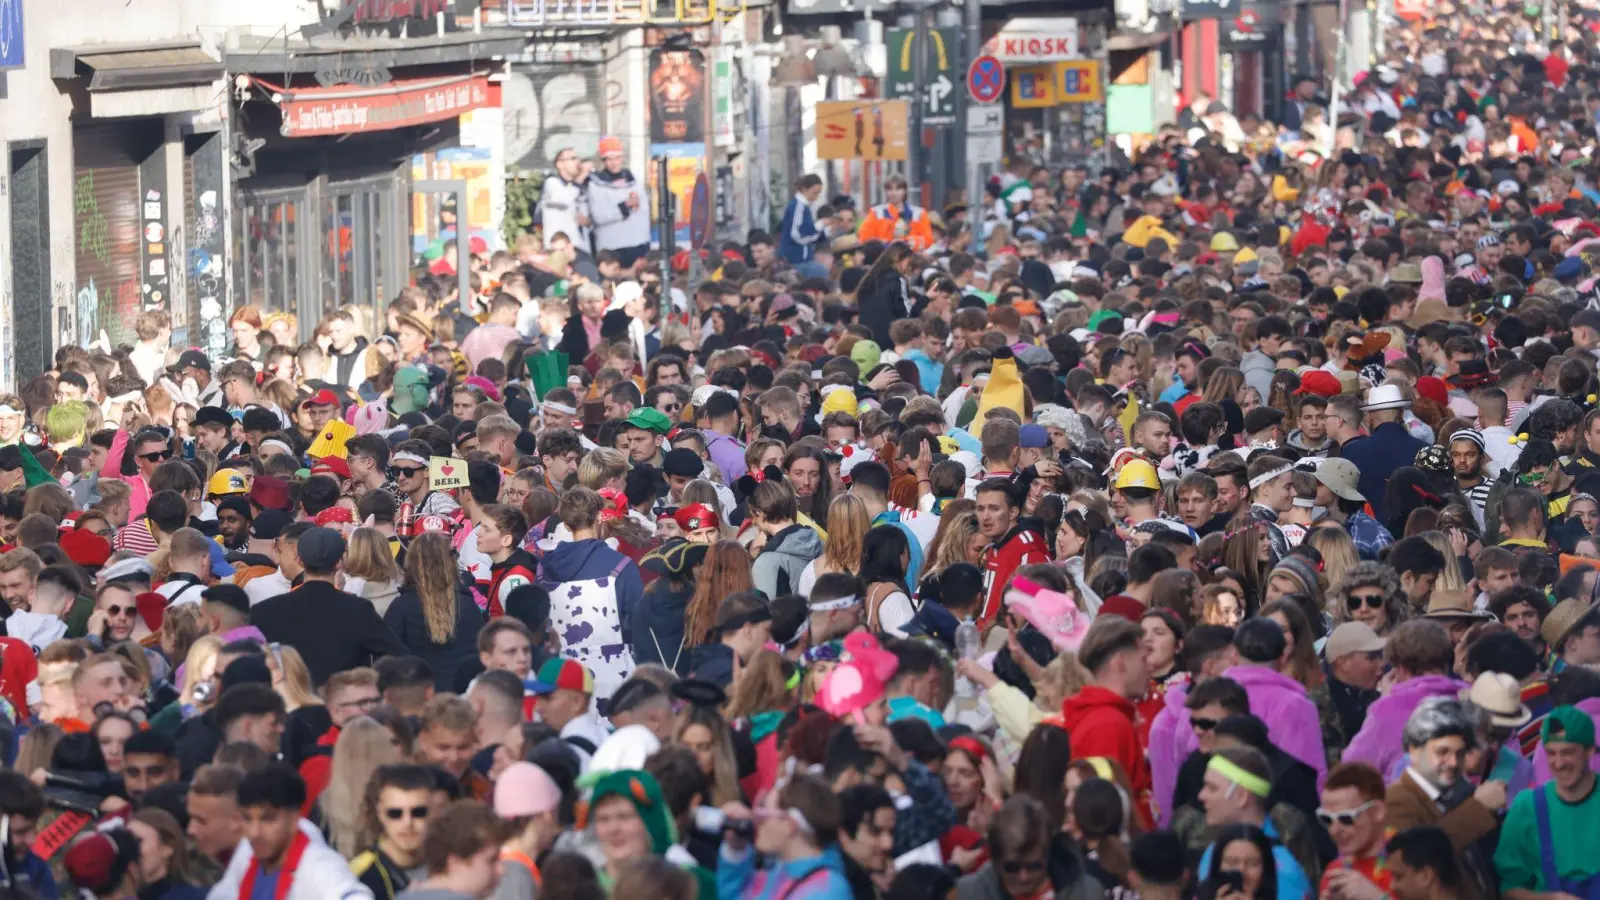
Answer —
(368, 418)
(485, 385)
(1055, 614)
(862, 647)
(850, 688)
(524, 789)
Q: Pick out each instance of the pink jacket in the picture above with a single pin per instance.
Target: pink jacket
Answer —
(139, 489)
(1290, 716)
(1381, 739)
(1171, 742)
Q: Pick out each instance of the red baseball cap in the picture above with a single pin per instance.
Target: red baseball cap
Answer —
(323, 397)
(331, 465)
(1319, 382)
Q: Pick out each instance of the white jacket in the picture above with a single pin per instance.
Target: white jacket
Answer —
(561, 201)
(617, 227)
(322, 875)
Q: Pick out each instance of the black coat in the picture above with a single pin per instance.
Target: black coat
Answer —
(882, 301)
(332, 630)
(410, 625)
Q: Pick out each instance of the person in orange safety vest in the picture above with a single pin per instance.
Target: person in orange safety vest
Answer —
(896, 219)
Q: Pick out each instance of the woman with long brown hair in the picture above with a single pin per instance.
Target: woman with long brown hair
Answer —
(726, 571)
(435, 616)
(841, 552)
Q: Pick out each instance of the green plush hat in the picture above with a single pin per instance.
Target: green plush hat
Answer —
(650, 420)
(410, 390)
(640, 789)
(866, 355)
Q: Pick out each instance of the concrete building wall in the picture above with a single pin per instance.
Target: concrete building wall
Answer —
(37, 108)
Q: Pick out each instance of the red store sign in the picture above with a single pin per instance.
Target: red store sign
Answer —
(341, 110)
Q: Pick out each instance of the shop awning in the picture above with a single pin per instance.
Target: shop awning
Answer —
(1137, 40)
(312, 112)
(136, 67)
(298, 55)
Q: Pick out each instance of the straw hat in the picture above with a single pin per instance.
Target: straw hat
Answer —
(1563, 619)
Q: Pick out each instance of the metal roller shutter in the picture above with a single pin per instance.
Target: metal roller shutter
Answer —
(106, 226)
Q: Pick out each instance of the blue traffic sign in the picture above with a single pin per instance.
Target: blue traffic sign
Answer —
(986, 79)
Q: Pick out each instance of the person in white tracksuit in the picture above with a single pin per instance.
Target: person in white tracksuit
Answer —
(620, 205)
(564, 202)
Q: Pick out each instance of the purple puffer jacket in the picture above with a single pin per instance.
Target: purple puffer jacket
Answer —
(1169, 734)
(1290, 716)
(1541, 765)
(1381, 739)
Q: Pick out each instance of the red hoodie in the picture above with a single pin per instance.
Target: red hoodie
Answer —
(1101, 723)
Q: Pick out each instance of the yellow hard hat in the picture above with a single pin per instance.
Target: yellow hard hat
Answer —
(1244, 256)
(1137, 473)
(1224, 242)
(226, 482)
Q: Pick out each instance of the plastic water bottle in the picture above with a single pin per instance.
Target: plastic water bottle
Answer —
(968, 645)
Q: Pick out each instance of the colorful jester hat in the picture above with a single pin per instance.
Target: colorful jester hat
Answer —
(640, 789)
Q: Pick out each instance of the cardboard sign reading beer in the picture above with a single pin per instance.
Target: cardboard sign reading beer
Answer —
(446, 472)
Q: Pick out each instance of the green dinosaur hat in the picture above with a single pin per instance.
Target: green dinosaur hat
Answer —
(640, 789)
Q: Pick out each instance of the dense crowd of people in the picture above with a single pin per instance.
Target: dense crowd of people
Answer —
(1223, 524)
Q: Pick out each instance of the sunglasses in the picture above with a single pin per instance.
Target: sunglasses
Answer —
(158, 456)
(403, 472)
(114, 610)
(1202, 724)
(1346, 818)
(1017, 867)
(396, 813)
(1373, 601)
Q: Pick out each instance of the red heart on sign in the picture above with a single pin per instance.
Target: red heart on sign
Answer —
(446, 470)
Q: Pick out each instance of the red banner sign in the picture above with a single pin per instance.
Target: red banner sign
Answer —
(322, 111)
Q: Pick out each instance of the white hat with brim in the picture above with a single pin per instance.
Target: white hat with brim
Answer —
(1386, 396)
(1499, 695)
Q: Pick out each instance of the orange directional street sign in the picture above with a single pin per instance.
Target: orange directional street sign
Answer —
(861, 129)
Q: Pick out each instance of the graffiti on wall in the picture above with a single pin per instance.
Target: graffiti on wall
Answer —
(548, 108)
(204, 272)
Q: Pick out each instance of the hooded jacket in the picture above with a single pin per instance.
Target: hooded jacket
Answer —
(1100, 723)
(656, 635)
(777, 570)
(1381, 738)
(819, 877)
(593, 592)
(712, 662)
(1290, 716)
(616, 226)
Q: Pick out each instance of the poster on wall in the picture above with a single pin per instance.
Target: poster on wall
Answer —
(685, 162)
(677, 96)
(434, 216)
